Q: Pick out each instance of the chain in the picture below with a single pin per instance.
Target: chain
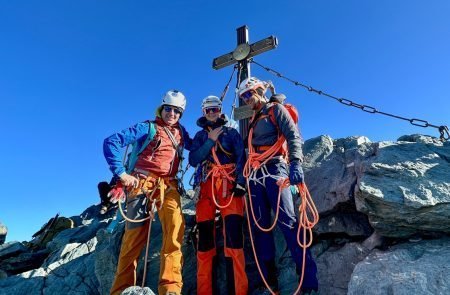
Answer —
(443, 130)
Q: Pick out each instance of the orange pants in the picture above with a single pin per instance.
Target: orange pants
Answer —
(135, 239)
(233, 219)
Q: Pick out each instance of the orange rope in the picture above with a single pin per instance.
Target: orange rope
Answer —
(225, 172)
(306, 206)
(255, 161)
(151, 216)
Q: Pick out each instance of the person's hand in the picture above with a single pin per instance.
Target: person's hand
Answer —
(214, 134)
(239, 190)
(128, 180)
(117, 193)
(296, 173)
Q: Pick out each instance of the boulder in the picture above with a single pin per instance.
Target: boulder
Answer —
(405, 188)
(408, 268)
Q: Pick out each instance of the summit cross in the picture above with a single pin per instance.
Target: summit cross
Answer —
(241, 56)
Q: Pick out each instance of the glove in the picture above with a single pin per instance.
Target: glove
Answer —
(295, 173)
(117, 193)
(239, 190)
(128, 180)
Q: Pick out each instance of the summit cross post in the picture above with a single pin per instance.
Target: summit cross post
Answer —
(241, 55)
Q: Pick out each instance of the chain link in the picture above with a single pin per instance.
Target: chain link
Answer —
(443, 130)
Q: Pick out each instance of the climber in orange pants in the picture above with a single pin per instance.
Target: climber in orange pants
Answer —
(150, 174)
(218, 153)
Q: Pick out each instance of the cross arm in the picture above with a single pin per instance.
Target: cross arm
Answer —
(255, 49)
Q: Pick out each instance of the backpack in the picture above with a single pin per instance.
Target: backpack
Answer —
(137, 148)
(280, 98)
(292, 110)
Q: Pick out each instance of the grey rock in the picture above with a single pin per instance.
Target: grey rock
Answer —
(409, 268)
(3, 233)
(419, 138)
(11, 249)
(3, 274)
(20, 285)
(80, 234)
(353, 224)
(405, 188)
(138, 291)
(330, 170)
(23, 262)
(106, 257)
(335, 267)
(343, 175)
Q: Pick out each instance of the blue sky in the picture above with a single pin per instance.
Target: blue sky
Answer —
(74, 72)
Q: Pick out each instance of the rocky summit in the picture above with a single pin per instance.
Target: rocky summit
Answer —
(384, 229)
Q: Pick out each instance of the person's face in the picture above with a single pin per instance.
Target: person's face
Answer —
(251, 98)
(212, 113)
(170, 115)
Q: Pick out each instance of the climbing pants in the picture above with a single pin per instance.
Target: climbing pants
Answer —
(232, 217)
(135, 239)
(264, 195)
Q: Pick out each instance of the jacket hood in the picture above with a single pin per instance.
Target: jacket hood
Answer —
(203, 123)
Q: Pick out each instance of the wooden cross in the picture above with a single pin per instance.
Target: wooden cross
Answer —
(241, 55)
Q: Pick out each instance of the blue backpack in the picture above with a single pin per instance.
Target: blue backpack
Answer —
(138, 147)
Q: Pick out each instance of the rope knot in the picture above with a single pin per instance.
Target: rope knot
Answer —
(256, 164)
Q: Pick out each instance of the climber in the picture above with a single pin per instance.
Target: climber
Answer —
(218, 153)
(271, 129)
(151, 179)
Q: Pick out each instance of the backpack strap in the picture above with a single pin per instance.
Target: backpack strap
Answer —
(272, 115)
(136, 151)
(150, 136)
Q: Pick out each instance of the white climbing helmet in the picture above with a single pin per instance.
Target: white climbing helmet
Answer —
(174, 98)
(251, 83)
(211, 101)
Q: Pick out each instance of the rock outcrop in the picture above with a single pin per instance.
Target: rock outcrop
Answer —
(384, 228)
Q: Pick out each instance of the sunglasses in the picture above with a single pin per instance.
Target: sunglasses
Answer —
(247, 95)
(211, 110)
(169, 109)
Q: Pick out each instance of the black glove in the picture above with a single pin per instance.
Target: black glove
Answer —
(239, 190)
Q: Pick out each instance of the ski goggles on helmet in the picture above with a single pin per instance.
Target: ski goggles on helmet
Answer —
(211, 110)
(247, 95)
(169, 109)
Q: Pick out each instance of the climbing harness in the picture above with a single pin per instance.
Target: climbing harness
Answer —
(443, 130)
(257, 161)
